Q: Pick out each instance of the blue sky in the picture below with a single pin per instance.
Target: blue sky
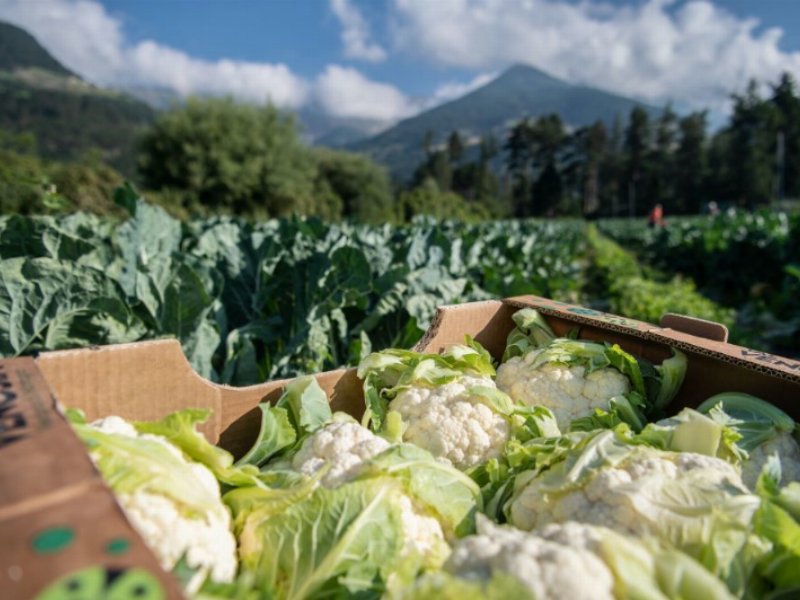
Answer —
(387, 59)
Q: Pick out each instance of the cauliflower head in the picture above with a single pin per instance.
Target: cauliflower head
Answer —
(202, 534)
(451, 422)
(566, 390)
(788, 451)
(343, 447)
(626, 496)
(553, 565)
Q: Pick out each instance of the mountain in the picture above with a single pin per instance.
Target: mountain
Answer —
(518, 92)
(67, 115)
(20, 50)
(321, 129)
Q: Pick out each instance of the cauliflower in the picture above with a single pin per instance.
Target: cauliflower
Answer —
(200, 531)
(552, 565)
(692, 502)
(763, 430)
(624, 497)
(566, 390)
(451, 422)
(596, 384)
(344, 446)
(788, 451)
(423, 533)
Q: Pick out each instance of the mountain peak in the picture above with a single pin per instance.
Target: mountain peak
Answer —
(529, 75)
(520, 91)
(20, 50)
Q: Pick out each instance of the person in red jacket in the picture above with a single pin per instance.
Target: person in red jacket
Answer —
(656, 216)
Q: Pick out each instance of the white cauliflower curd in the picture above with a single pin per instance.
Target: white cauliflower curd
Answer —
(551, 565)
(422, 532)
(566, 390)
(343, 447)
(201, 532)
(633, 496)
(451, 422)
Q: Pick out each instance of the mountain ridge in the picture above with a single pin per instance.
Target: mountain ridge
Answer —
(520, 91)
(67, 115)
(20, 50)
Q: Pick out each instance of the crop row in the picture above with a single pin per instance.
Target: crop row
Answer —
(746, 261)
(251, 301)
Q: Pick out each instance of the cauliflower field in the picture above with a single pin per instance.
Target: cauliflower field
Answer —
(507, 486)
(256, 301)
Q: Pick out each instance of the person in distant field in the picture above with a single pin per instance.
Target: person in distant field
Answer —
(656, 216)
(713, 208)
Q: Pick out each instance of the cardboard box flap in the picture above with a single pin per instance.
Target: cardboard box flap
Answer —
(753, 360)
(149, 380)
(142, 380)
(62, 527)
(489, 322)
(580, 314)
(709, 330)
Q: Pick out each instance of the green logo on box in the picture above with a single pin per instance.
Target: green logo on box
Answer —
(100, 583)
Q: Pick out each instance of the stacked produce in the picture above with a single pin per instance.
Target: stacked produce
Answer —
(560, 473)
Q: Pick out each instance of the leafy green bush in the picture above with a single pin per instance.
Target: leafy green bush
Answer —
(353, 186)
(231, 157)
(427, 199)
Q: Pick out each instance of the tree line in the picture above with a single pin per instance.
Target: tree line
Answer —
(213, 156)
(544, 168)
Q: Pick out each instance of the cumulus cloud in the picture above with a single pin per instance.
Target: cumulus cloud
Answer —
(150, 63)
(346, 93)
(695, 52)
(90, 41)
(355, 33)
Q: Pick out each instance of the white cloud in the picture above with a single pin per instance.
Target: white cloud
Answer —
(696, 54)
(344, 92)
(153, 64)
(88, 39)
(355, 33)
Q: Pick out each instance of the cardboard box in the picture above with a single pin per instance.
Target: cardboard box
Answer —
(57, 518)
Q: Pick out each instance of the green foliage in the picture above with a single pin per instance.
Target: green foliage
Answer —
(742, 260)
(428, 199)
(30, 185)
(230, 157)
(360, 188)
(251, 301)
(615, 273)
(69, 122)
(87, 185)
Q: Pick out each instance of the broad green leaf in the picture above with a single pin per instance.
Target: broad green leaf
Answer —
(275, 434)
(307, 405)
(345, 540)
(180, 428)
